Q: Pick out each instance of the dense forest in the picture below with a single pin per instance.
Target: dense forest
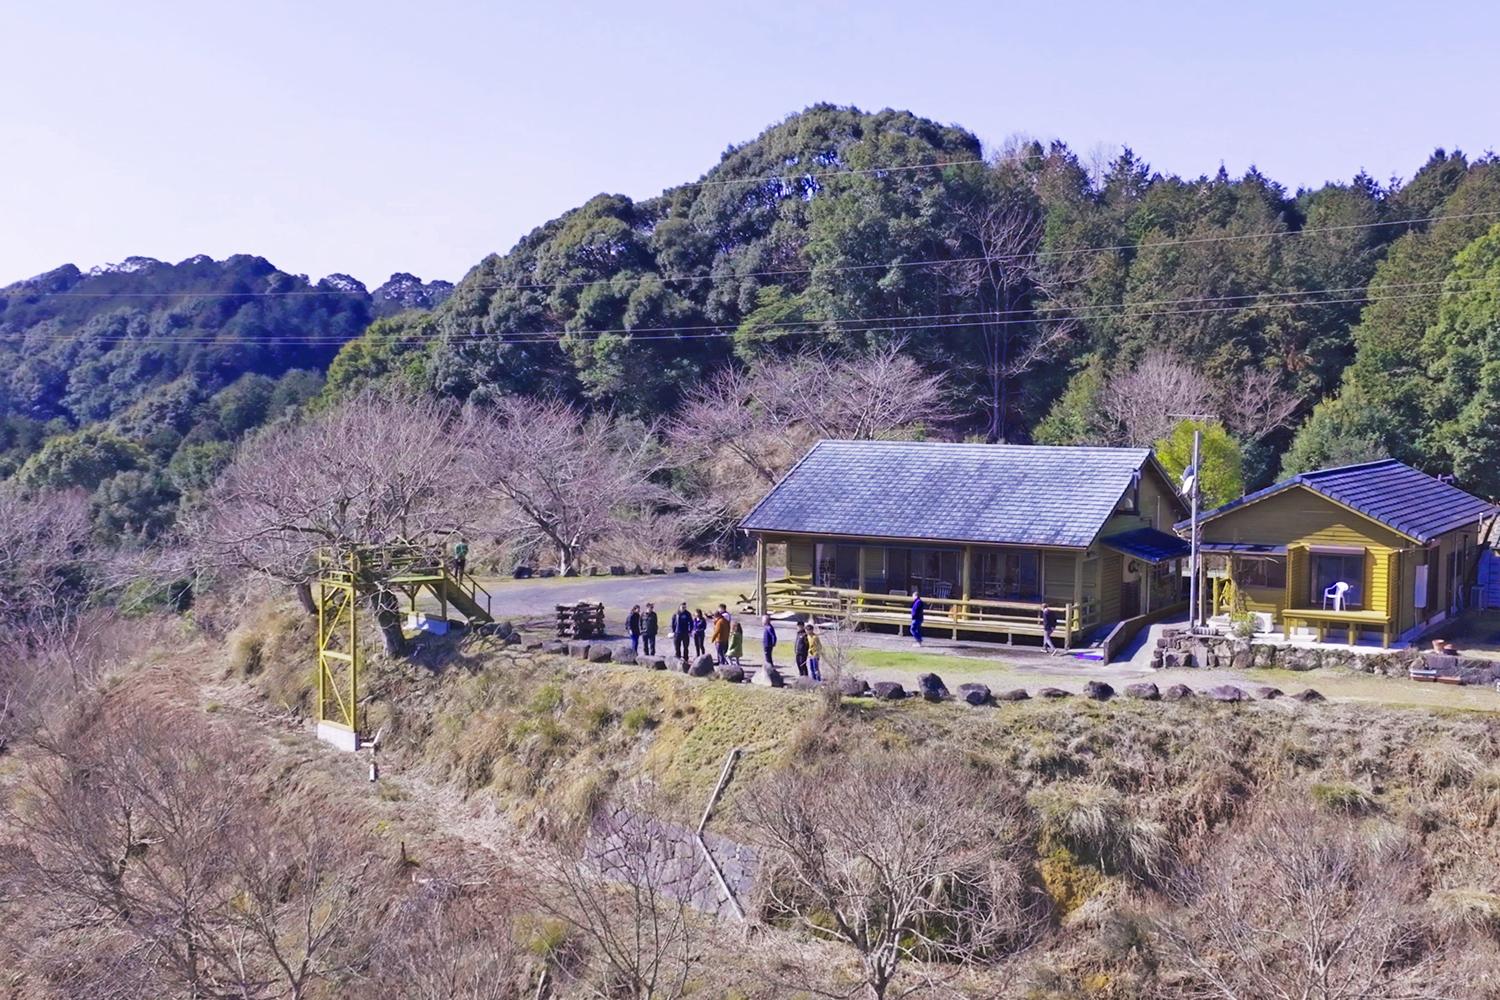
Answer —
(1060, 301)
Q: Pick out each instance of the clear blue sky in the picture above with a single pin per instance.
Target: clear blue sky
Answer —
(373, 137)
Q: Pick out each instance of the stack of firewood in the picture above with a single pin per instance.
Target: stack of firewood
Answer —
(580, 621)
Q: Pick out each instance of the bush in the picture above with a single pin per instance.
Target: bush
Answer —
(1468, 910)
(1343, 799)
(637, 719)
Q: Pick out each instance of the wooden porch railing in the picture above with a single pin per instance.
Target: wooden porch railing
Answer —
(954, 613)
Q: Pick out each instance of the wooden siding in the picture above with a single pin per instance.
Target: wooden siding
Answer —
(1111, 573)
(1057, 576)
(799, 559)
(1158, 508)
(1300, 516)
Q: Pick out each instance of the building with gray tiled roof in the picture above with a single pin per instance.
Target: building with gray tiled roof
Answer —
(989, 534)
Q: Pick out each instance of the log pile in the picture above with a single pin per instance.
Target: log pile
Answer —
(580, 621)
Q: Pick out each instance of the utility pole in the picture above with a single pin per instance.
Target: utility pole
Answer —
(1194, 596)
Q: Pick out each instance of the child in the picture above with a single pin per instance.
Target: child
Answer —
(814, 650)
(736, 643)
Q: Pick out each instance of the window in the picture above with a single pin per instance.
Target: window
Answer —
(876, 579)
(935, 572)
(838, 566)
(1267, 573)
(1009, 575)
(1329, 568)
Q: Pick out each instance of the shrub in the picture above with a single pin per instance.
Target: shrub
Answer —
(1343, 799)
(637, 719)
(1468, 910)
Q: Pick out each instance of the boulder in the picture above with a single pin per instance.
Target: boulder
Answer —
(1143, 692)
(654, 662)
(1226, 692)
(975, 694)
(1171, 659)
(889, 691)
(625, 655)
(546, 574)
(680, 568)
(1014, 694)
(853, 687)
(1051, 692)
(768, 677)
(1098, 691)
(1268, 693)
(731, 673)
(1177, 692)
(617, 571)
(707, 568)
(554, 647)
(932, 688)
(658, 571)
(514, 639)
(703, 666)
(534, 646)
(1309, 696)
(804, 684)
(1263, 655)
(523, 572)
(571, 571)
(579, 649)
(600, 654)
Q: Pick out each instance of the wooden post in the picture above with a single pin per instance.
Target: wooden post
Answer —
(963, 611)
(760, 575)
(1077, 606)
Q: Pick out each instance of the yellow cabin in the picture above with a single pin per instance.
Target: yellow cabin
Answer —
(990, 535)
(1373, 552)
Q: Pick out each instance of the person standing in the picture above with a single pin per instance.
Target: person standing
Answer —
(460, 557)
(1049, 622)
(700, 629)
(736, 643)
(633, 627)
(648, 630)
(799, 650)
(721, 638)
(682, 631)
(814, 651)
(918, 612)
(768, 640)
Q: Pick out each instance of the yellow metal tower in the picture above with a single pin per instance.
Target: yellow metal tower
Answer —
(345, 575)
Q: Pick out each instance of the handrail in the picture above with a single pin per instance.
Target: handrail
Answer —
(947, 609)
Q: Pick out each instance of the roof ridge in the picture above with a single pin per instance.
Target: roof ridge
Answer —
(1373, 463)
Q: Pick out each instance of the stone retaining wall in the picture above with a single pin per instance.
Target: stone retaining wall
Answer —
(1178, 648)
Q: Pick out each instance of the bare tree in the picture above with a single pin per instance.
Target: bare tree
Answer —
(997, 263)
(449, 939)
(762, 419)
(901, 860)
(561, 480)
(1299, 905)
(50, 639)
(300, 910)
(374, 471)
(140, 836)
(1140, 403)
(1259, 403)
(629, 893)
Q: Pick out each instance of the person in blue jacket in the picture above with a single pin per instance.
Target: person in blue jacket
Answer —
(682, 631)
(768, 640)
(917, 612)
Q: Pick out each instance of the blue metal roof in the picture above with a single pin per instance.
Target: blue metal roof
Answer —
(1389, 492)
(1148, 544)
(985, 493)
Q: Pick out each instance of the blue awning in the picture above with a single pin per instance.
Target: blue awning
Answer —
(1148, 545)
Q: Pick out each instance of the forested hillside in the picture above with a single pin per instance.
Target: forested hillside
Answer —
(1054, 300)
(134, 380)
(1063, 302)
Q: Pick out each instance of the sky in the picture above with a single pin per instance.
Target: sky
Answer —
(374, 137)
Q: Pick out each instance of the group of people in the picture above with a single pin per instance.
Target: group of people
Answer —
(693, 631)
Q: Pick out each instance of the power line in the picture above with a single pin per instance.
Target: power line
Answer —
(882, 266)
(935, 321)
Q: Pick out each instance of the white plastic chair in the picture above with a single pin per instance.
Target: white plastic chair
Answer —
(1336, 595)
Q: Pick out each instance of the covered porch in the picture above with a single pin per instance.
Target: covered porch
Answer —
(993, 590)
(1295, 586)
